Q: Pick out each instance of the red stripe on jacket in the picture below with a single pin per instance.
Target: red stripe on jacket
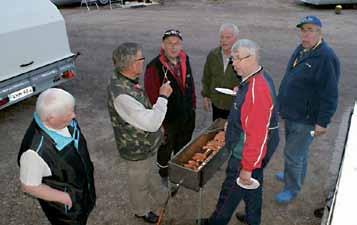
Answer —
(255, 118)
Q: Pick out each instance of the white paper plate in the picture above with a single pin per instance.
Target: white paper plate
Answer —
(226, 91)
(254, 185)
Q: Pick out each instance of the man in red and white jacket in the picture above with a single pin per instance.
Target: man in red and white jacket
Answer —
(251, 135)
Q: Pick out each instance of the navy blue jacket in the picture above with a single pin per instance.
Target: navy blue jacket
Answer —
(308, 92)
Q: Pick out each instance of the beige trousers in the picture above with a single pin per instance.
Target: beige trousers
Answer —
(143, 186)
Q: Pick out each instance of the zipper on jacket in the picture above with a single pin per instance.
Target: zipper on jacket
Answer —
(307, 112)
(65, 206)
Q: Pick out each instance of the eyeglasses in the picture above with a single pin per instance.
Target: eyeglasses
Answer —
(232, 59)
(139, 59)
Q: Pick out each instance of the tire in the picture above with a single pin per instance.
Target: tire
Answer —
(103, 2)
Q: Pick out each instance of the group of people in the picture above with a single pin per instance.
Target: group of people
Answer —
(155, 121)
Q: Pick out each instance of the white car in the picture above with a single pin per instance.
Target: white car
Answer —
(67, 2)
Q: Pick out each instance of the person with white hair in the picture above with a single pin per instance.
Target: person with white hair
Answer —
(219, 73)
(251, 136)
(55, 166)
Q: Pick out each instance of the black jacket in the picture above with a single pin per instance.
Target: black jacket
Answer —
(72, 172)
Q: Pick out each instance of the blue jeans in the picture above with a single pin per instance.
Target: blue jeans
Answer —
(296, 152)
(231, 195)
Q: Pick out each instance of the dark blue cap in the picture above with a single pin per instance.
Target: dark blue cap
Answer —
(309, 20)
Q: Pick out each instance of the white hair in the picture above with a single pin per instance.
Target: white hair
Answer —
(229, 26)
(54, 102)
(250, 46)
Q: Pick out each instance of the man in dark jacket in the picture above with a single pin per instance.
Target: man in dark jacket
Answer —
(308, 97)
(55, 166)
(172, 64)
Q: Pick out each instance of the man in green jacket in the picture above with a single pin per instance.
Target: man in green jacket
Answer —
(218, 72)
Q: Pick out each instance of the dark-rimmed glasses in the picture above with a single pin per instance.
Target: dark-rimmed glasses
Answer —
(139, 59)
(232, 59)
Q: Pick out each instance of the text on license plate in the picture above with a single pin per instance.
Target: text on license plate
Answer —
(20, 93)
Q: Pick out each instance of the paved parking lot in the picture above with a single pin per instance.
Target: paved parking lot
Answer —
(94, 34)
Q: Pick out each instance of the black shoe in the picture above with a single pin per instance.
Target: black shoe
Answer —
(149, 217)
(241, 217)
(204, 221)
(319, 212)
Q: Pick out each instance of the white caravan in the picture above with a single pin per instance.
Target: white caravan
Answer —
(35, 53)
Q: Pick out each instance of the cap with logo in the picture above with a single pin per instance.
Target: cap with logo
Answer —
(170, 33)
(309, 20)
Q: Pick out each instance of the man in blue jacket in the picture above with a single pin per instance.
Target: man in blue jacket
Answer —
(308, 97)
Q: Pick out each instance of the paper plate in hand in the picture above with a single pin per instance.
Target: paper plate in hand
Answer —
(226, 91)
(254, 185)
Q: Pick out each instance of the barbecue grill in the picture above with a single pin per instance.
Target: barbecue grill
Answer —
(196, 179)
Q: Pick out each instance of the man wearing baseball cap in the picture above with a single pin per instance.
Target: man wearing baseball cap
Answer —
(172, 64)
(308, 98)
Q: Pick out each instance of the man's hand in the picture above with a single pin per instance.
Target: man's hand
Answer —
(207, 104)
(319, 130)
(235, 89)
(67, 200)
(245, 177)
(166, 89)
(47, 193)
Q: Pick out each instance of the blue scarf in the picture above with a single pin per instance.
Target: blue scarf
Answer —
(60, 141)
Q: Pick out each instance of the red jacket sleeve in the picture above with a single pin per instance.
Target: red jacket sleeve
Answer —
(255, 118)
(152, 84)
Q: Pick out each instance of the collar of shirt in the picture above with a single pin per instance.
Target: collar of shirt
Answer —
(60, 140)
(252, 74)
(135, 81)
(225, 60)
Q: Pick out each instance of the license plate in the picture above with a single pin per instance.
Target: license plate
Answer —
(20, 93)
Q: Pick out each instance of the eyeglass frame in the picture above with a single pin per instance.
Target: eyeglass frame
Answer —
(232, 59)
(139, 59)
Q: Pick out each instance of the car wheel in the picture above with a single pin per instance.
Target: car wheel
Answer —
(103, 2)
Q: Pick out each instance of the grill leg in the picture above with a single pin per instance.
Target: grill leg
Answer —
(169, 202)
(199, 213)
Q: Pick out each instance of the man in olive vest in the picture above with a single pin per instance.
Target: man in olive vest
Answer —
(136, 125)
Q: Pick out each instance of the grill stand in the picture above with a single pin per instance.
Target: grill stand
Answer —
(199, 213)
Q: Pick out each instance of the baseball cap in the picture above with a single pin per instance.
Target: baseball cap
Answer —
(309, 20)
(170, 33)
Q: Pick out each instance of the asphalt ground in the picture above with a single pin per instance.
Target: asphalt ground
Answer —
(271, 23)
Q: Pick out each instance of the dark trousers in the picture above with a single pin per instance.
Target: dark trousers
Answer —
(59, 216)
(177, 136)
(219, 113)
(59, 221)
(231, 194)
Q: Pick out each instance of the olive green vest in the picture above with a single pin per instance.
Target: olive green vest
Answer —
(132, 143)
